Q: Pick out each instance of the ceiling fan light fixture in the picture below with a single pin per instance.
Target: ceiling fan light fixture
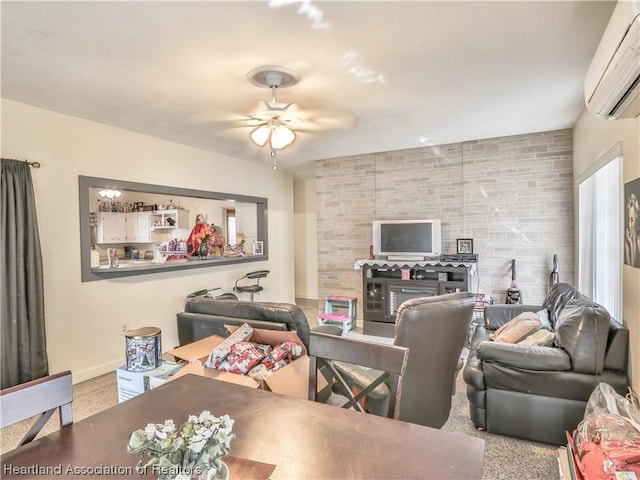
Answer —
(273, 131)
(260, 135)
(282, 136)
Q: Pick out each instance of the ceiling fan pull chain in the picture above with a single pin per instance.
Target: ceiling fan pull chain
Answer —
(275, 162)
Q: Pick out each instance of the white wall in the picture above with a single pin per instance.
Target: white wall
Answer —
(592, 137)
(84, 320)
(306, 248)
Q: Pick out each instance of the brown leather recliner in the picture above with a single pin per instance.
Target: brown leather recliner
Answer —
(435, 329)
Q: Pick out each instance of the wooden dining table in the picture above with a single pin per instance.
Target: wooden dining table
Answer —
(277, 437)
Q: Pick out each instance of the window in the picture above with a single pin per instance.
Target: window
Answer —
(231, 226)
(599, 233)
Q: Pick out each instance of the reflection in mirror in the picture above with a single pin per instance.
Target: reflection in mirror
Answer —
(129, 228)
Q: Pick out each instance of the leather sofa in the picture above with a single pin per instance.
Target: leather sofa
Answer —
(540, 392)
(205, 316)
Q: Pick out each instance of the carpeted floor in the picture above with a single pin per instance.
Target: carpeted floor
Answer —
(505, 458)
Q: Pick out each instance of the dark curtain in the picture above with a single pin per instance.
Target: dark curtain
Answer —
(23, 341)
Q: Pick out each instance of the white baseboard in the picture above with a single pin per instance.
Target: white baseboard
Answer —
(88, 374)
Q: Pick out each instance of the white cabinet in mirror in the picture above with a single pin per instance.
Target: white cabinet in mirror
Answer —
(150, 218)
(137, 227)
(169, 219)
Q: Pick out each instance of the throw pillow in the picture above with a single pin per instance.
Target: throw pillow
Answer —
(544, 319)
(541, 338)
(518, 328)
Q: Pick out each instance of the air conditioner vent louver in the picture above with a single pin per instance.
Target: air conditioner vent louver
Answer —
(612, 84)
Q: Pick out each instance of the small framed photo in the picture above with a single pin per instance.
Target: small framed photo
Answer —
(465, 245)
(257, 248)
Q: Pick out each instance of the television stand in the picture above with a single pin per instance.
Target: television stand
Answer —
(388, 283)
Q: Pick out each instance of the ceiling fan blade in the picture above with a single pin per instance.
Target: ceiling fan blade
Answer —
(290, 119)
(255, 122)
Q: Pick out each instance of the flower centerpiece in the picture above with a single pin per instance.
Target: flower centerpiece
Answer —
(199, 238)
(194, 450)
(203, 237)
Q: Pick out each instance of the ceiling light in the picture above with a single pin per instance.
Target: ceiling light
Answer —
(260, 135)
(278, 135)
(281, 136)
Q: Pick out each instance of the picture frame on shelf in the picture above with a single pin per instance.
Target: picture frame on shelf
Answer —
(258, 248)
(464, 245)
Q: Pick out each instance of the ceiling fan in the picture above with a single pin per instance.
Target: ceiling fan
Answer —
(273, 124)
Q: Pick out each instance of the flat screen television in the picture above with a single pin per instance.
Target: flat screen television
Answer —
(406, 238)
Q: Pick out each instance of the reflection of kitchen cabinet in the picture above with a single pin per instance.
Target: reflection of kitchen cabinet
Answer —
(112, 228)
(123, 227)
(167, 220)
(138, 227)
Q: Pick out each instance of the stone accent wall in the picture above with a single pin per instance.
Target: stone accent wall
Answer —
(512, 195)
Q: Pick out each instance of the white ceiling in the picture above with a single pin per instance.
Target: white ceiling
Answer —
(375, 75)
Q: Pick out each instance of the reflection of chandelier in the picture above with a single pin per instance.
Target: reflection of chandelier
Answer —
(110, 193)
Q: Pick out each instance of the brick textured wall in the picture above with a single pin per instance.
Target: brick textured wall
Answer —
(512, 195)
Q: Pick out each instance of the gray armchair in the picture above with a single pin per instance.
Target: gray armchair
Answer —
(435, 329)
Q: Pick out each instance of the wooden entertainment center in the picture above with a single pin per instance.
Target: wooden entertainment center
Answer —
(388, 283)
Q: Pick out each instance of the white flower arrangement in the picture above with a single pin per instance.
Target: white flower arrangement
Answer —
(194, 450)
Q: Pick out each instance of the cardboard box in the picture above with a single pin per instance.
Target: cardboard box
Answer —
(291, 380)
(132, 384)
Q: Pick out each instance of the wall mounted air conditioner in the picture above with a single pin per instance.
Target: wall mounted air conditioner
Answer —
(612, 83)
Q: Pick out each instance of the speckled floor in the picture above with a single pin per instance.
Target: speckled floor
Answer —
(505, 458)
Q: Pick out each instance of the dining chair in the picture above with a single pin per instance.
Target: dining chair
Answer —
(42, 396)
(435, 330)
(252, 288)
(335, 355)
